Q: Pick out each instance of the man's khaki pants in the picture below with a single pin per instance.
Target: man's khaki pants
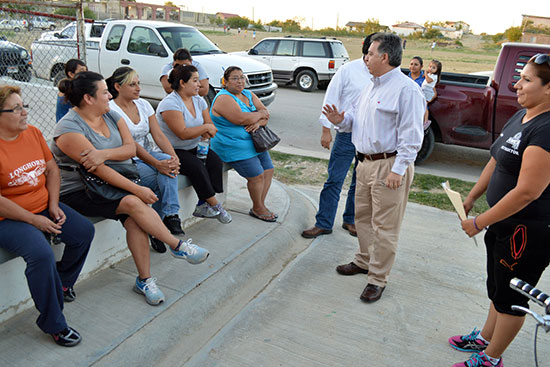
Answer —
(378, 215)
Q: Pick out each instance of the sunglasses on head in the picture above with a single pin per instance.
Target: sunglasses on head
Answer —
(540, 59)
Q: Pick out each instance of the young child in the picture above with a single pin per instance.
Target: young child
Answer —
(432, 74)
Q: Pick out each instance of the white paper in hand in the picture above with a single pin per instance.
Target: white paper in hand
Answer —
(456, 200)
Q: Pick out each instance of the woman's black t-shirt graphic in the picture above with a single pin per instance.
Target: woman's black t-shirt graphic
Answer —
(508, 150)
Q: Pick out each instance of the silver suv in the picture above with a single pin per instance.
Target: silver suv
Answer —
(308, 62)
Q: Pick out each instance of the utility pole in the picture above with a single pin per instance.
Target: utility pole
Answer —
(252, 14)
(337, 19)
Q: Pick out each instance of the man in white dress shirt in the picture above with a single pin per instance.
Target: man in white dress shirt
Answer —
(387, 134)
(344, 88)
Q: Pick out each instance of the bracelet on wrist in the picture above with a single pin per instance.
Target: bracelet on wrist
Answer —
(475, 225)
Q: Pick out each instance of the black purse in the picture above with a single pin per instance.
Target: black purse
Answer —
(264, 139)
(99, 190)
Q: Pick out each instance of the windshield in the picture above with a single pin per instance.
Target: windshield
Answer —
(189, 38)
(339, 50)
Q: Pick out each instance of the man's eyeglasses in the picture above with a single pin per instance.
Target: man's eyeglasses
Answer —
(18, 108)
(540, 59)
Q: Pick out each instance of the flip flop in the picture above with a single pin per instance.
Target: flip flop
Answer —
(264, 217)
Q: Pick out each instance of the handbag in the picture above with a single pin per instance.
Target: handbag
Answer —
(264, 139)
(99, 190)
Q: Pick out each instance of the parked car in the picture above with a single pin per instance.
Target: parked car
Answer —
(471, 109)
(304, 61)
(15, 61)
(42, 23)
(147, 46)
(15, 25)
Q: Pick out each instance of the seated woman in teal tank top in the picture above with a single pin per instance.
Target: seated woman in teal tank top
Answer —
(236, 112)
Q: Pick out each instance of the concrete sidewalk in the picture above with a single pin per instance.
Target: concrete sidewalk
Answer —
(267, 297)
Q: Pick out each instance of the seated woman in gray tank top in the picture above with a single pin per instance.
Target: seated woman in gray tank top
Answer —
(91, 135)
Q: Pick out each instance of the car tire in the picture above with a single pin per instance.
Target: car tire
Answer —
(23, 76)
(52, 27)
(58, 77)
(427, 146)
(16, 29)
(323, 85)
(306, 80)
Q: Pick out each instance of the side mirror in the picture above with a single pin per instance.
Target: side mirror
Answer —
(252, 52)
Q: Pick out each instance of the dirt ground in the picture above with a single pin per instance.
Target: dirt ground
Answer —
(471, 58)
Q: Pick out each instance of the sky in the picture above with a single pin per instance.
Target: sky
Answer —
(487, 16)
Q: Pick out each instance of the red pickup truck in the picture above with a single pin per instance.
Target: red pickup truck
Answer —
(470, 110)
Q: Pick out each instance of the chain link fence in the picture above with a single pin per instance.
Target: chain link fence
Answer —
(35, 44)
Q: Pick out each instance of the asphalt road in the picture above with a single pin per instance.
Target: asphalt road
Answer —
(294, 116)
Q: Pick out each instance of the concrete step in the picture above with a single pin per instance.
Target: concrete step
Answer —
(120, 329)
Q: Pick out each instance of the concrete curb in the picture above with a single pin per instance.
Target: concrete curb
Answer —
(176, 334)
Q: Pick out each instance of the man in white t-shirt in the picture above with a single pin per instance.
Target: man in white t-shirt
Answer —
(182, 56)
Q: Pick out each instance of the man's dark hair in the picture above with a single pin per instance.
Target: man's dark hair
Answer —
(366, 43)
(182, 54)
(389, 44)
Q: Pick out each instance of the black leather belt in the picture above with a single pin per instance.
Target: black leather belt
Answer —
(374, 157)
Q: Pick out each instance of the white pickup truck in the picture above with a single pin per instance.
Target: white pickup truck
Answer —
(147, 46)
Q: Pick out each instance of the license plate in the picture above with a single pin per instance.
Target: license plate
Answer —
(12, 69)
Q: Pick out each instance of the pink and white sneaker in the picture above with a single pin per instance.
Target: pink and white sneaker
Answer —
(479, 360)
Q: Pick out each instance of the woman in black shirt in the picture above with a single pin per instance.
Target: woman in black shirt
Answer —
(517, 180)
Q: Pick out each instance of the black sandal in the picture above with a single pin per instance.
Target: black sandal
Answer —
(264, 217)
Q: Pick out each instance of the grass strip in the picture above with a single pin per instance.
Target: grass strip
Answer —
(425, 189)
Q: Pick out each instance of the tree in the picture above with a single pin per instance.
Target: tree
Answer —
(497, 37)
(169, 3)
(236, 22)
(431, 32)
(372, 25)
(71, 12)
(513, 34)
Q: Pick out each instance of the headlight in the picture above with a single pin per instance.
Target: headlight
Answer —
(24, 54)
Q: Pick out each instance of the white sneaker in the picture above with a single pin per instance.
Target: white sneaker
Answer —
(153, 295)
(224, 217)
(205, 211)
(189, 251)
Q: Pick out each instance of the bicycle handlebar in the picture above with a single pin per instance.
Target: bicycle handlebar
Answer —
(532, 293)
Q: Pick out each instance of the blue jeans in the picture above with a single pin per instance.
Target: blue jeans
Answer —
(45, 277)
(341, 158)
(165, 188)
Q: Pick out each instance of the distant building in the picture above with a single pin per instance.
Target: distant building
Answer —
(121, 9)
(407, 28)
(535, 29)
(355, 26)
(449, 32)
(460, 25)
(226, 16)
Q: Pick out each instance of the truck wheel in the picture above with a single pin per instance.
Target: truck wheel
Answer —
(52, 27)
(58, 76)
(427, 146)
(16, 29)
(306, 80)
(323, 85)
(23, 76)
